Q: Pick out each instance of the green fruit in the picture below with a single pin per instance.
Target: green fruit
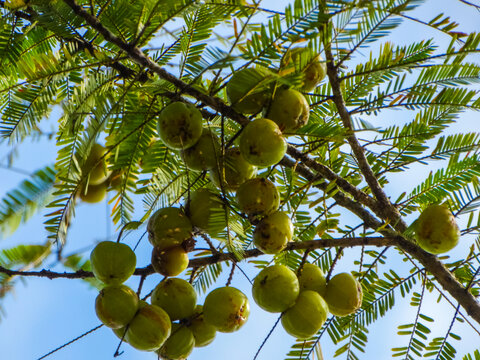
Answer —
(179, 345)
(275, 288)
(204, 153)
(176, 296)
(246, 91)
(112, 263)
(226, 308)
(149, 329)
(289, 110)
(120, 333)
(179, 125)
(169, 262)
(168, 227)
(93, 193)
(273, 232)
(233, 171)
(203, 332)
(344, 294)
(258, 196)
(311, 278)
(313, 68)
(306, 317)
(262, 143)
(116, 305)
(207, 211)
(436, 229)
(95, 165)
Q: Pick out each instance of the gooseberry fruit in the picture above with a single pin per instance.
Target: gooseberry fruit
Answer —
(311, 278)
(112, 263)
(275, 288)
(168, 227)
(344, 294)
(95, 166)
(93, 193)
(313, 68)
(246, 91)
(436, 230)
(233, 171)
(176, 296)
(258, 196)
(149, 329)
(207, 211)
(169, 262)
(179, 345)
(262, 143)
(289, 110)
(226, 308)
(203, 332)
(273, 232)
(306, 316)
(204, 153)
(116, 305)
(179, 125)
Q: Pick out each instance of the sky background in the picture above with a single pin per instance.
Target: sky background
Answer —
(42, 314)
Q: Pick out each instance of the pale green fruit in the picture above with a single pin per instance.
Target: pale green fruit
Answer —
(246, 92)
(311, 278)
(93, 193)
(275, 288)
(306, 317)
(312, 68)
(179, 125)
(262, 143)
(116, 305)
(203, 332)
(258, 196)
(112, 263)
(207, 211)
(226, 308)
(179, 345)
(120, 333)
(234, 170)
(344, 294)
(149, 329)
(436, 229)
(176, 296)
(273, 233)
(169, 262)
(168, 227)
(95, 166)
(289, 110)
(204, 154)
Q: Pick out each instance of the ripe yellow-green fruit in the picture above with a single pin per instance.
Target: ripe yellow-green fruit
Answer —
(93, 193)
(306, 317)
(273, 232)
(258, 196)
(168, 227)
(312, 68)
(179, 345)
(179, 125)
(203, 332)
(275, 288)
(149, 329)
(176, 296)
(95, 166)
(204, 154)
(311, 278)
(207, 211)
(226, 308)
(436, 230)
(289, 110)
(112, 262)
(246, 91)
(233, 171)
(169, 262)
(116, 305)
(344, 294)
(262, 143)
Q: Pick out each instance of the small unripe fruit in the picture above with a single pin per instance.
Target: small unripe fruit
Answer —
(311, 278)
(116, 305)
(179, 125)
(258, 196)
(275, 288)
(436, 229)
(273, 233)
(203, 332)
(289, 109)
(112, 263)
(179, 345)
(234, 170)
(176, 296)
(245, 91)
(207, 211)
(93, 193)
(168, 227)
(344, 294)
(312, 68)
(95, 166)
(306, 317)
(262, 143)
(204, 154)
(226, 308)
(169, 262)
